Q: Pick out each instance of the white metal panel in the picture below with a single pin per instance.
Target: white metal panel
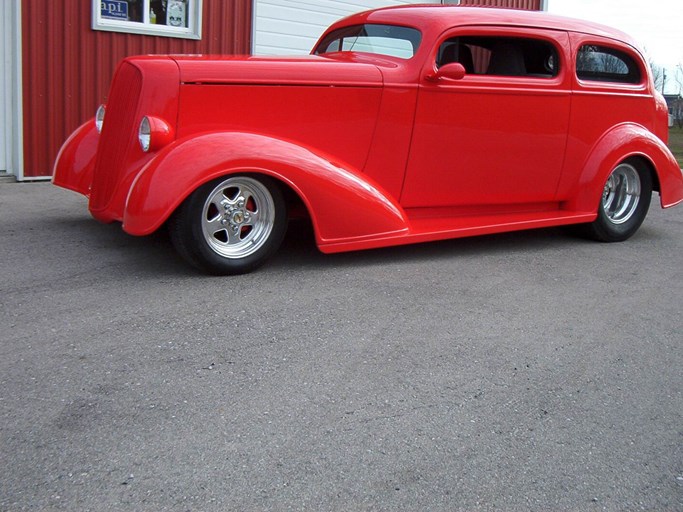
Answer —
(5, 83)
(11, 123)
(287, 27)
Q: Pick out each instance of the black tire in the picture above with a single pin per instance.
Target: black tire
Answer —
(231, 225)
(624, 203)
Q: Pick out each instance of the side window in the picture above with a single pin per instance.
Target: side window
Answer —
(502, 56)
(604, 64)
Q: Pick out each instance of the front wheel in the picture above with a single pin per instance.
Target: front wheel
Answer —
(230, 225)
(624, 203)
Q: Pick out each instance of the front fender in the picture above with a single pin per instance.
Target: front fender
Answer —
(622, 142)
(75, 162)
(343, 204)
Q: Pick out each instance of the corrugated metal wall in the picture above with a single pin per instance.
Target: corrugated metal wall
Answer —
(67, 66)
(527, 5)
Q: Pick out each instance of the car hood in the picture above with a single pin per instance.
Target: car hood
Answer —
(304, 70)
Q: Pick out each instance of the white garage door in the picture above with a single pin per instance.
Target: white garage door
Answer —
(11, 151)
(288, 27)
(5, 83)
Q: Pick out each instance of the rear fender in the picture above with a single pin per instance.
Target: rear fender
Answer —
(343, 204)
(623, 142)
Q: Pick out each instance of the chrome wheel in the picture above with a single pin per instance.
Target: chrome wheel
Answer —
(238, 217)
(623, 204)
(231, 225)
(621, 194)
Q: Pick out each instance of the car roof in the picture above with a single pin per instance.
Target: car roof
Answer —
(440, 17)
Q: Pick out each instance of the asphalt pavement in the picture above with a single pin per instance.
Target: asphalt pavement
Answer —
(523, 371)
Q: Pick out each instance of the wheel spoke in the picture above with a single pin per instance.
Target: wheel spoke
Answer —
(229, 237)
(248, 200)
(218, 200)
(253, 218)
(621, 194)
(608, 203)
(214, 224)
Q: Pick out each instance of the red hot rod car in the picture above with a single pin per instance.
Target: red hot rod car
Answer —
(404, 125)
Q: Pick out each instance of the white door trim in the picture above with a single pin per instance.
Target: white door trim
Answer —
(5, 86)
(12, 97)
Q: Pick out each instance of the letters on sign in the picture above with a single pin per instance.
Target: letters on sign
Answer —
(114, 9)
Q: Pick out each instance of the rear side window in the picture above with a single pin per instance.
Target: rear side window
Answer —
(501, 56)
(604, 64)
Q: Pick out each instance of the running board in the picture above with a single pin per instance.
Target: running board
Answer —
(429, 229)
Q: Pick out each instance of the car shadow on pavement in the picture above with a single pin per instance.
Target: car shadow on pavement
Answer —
(155, 255)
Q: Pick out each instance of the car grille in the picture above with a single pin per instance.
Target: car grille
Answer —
(118, 134)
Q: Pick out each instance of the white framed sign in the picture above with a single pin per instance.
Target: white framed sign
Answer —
(167, 18)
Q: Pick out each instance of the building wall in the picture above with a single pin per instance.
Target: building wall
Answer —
(288, 27)
(67, 66)
(10, 83)
(527, 5)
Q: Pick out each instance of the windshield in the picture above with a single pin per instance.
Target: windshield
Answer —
(389, 40)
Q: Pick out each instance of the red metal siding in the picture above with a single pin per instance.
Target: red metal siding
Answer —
(67, 66)
(526, 5)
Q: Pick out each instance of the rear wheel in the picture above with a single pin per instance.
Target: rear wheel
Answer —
(230, 225)
(624, 203)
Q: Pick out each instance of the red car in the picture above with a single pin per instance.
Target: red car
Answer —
(404, 125)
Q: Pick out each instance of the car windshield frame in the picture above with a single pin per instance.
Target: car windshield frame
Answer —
(380, 39)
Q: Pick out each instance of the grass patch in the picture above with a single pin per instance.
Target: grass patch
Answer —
(676, 143)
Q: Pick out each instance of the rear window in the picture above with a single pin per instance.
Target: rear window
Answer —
(389, 40)
(605, 64)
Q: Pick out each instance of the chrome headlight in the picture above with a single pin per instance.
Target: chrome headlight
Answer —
(154, 133)
(145, 134)
(99, 117)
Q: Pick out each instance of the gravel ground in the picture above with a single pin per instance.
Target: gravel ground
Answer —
(524, 371)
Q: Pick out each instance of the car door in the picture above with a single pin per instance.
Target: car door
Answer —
(498, 135)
